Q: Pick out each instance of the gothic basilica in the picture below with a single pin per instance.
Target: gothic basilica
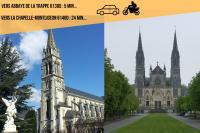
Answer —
(157, 91)
(62, 108)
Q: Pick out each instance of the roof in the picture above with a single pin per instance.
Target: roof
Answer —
(157, 70)
(84, 94)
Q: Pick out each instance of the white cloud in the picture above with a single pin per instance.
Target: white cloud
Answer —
(35, 98)
(31, 46)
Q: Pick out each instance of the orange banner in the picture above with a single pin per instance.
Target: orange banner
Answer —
(30, 15)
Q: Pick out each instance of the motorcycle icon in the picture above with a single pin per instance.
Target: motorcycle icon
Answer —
(132, 9)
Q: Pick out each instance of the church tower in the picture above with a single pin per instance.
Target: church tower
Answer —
(175, 67)
(140, 69)
(52, 86)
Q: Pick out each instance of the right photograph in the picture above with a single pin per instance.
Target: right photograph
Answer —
(152, 75)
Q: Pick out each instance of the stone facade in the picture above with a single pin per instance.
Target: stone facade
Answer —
(61, 105)
(157, 91)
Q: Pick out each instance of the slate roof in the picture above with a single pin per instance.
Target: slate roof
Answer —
(84, 94)
(157, 70)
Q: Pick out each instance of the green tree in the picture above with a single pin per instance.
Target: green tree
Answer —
(130, 102)
(11, 74)
(194, 93)
(109, 90)
(28, 125)
(119, 94)
(184, 90)
(183, 104)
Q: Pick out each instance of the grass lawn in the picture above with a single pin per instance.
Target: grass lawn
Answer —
(157, 123)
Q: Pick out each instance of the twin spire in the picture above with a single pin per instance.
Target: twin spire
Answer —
(175, 47)
(174, 55)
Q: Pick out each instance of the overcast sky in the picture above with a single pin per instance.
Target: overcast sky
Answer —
(121, 40)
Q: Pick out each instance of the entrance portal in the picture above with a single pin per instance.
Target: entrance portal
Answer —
(157, 104)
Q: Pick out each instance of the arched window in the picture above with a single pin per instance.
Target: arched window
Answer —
(46, 68)
(49, 51)
(50, 84)
(47, 85)
(147, 101)
(57, 113)
(96, 111)
(85, 107)
(168, 103)
(48, 112)
(58, 68)
(55, 68)
(50, 68)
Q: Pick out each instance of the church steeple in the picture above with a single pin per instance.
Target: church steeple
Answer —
(140, 43)
(175, 65)
(51, 49)
(175, 47)
(52, 85)
(175, 61)
(50, 41)
(140, 53)
(140, 69)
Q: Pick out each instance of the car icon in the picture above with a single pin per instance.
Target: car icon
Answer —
(108, 9)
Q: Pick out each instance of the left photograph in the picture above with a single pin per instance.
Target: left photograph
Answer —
(52, 81)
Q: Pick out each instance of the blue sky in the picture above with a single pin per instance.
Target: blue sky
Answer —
(82, 53)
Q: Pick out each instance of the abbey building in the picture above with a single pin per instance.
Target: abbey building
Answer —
(64, 109)
(157, 91)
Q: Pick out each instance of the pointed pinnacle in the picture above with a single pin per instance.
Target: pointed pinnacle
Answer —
(140, 42)
(50, 42)
(175, 47)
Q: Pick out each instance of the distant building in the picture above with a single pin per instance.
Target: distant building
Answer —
(157, 91)
(63, 107)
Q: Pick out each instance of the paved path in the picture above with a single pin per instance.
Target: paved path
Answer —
(190, 122)
(108, 128)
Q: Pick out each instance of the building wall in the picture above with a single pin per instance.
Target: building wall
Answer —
(164, 95)
(73, 102)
